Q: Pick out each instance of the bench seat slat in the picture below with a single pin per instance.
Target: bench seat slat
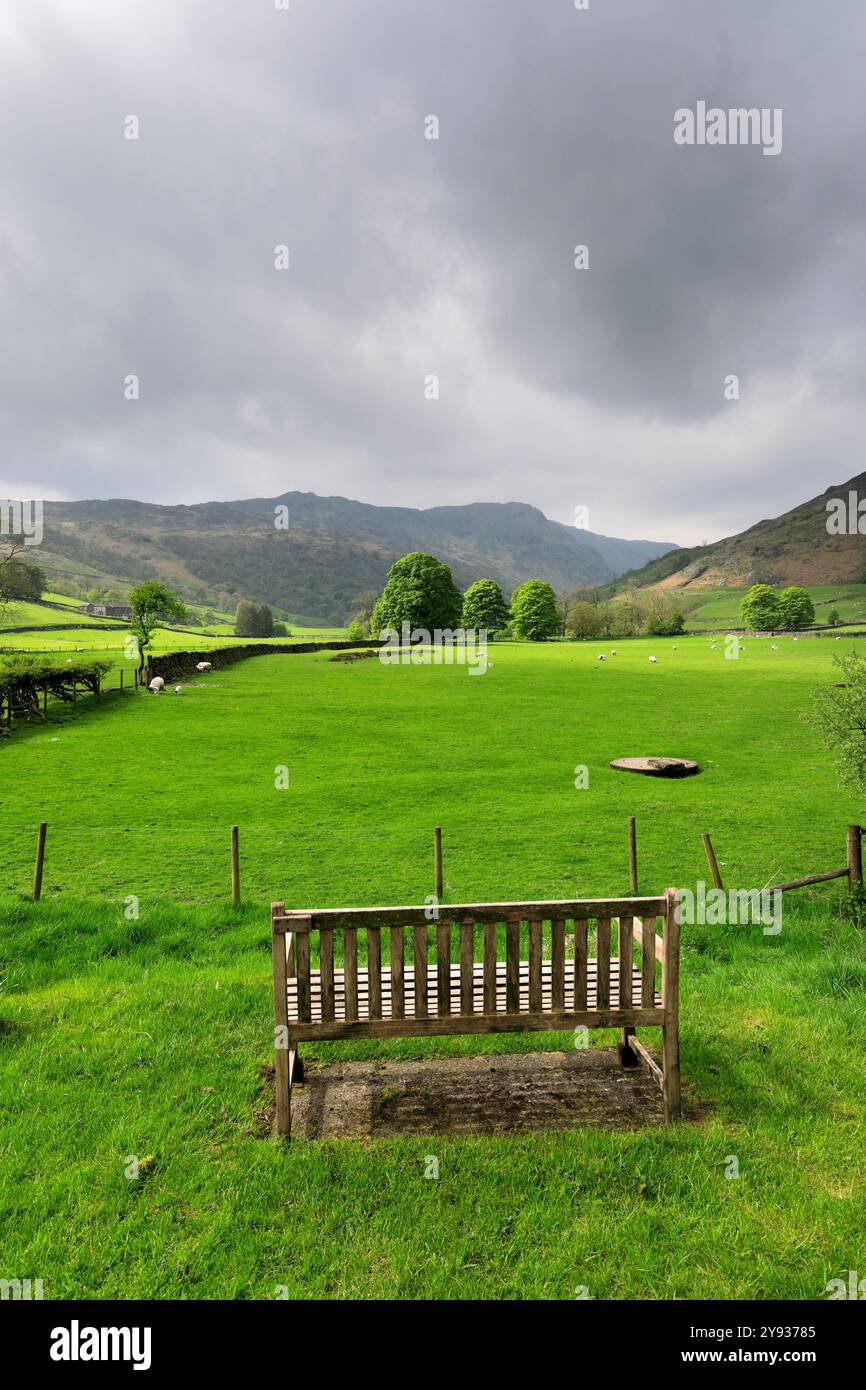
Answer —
(456, 992)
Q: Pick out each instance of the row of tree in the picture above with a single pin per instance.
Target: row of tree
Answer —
(420, 591)
(765, 610)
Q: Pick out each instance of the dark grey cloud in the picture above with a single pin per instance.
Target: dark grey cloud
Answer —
(409, 257)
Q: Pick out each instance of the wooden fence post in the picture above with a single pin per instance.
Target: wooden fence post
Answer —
(236, 867)
(632, 855)
(711, 860)
(40, 861)
(437, 859)
(855, 857)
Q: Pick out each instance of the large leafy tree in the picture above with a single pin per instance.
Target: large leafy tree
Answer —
(419, 591)
(21, 581)
(253, 620)
(796, 609)
(152, 603)
(760, 608)
(535, 614)
(484, 607)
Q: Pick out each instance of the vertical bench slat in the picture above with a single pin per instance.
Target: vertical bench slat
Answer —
(374, 971)
(302, 964)
(398, 1003)
(443, 973)
(626, 968)
(490, 930)
(557, 963)
(350, 972)
(648, 964)
(326, 972)
(419, 950)
(535, 967)
(467, 967)
(602, 965)
(512, 967)
(581, 953)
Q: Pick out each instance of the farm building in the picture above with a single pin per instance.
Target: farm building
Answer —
(107, 610)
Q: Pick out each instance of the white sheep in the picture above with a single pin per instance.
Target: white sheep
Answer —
(178, 690)
(156, 684)
(653, 660)
(673, 649)
(202, 665)
(601, 657)
(613, 651)
(773, 647)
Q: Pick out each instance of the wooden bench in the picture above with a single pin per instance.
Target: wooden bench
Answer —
(495, 968)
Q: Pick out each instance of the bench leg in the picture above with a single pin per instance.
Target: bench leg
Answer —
(283, 1090)
(627, 1056)
(671, 1060)
(296, 1067)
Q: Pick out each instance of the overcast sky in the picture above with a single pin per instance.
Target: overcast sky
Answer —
(409, 257)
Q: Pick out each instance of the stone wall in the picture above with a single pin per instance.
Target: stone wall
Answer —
(173, 666)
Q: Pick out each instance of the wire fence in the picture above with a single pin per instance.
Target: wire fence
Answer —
(364, 864)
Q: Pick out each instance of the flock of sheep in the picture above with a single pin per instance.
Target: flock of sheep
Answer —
(713, 648)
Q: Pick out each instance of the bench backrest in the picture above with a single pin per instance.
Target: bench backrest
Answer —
(513, 960)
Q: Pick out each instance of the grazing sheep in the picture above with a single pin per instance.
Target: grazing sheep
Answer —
(653, 660)
(156, 684)
(795, 639)
(673, 649)
(601, 657)
(178, 690)
(773, 647)
(202, 665)
(613, 651)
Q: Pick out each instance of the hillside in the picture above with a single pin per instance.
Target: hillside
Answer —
(334, 548)
(794, 548)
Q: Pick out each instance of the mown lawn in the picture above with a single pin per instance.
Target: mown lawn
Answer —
(149, 1037)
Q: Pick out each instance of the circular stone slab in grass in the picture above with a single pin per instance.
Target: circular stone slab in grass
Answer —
(657, 767)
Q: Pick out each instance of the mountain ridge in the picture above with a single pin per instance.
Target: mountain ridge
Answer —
(333, 550)
(794, 547)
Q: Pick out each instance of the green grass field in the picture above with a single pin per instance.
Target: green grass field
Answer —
(104, 639)
(720, 608)
(149, 1036)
